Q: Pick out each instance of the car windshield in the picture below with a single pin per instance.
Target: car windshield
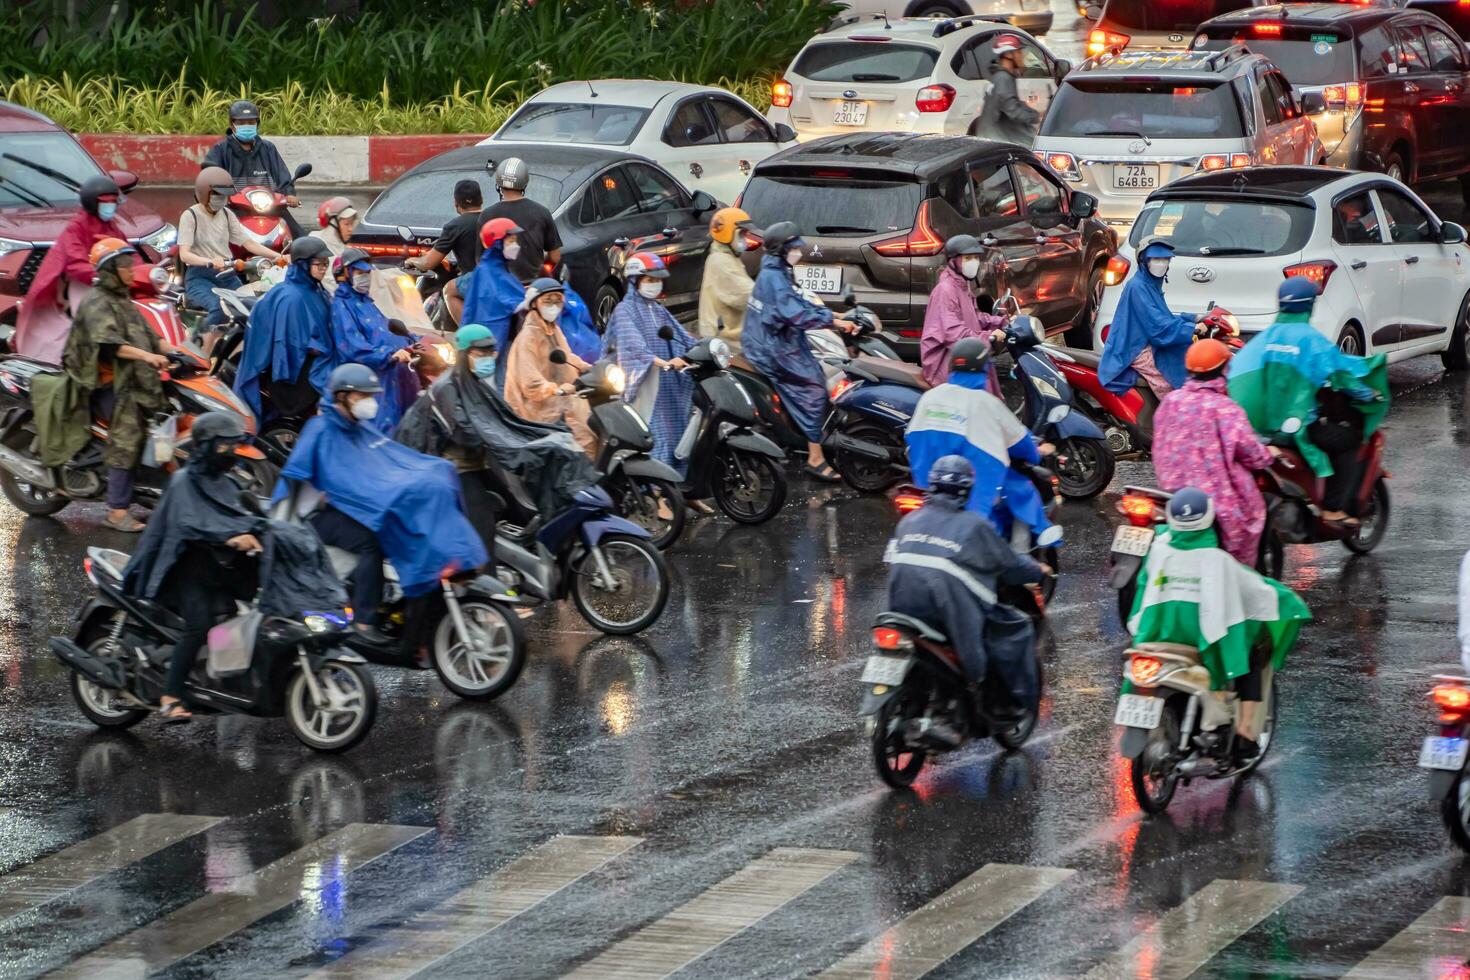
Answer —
(1211, 226)
(574, 122)
(834, 207)
(426, 200)
(865, 61)
(26, 186)
(1098, 106)
(1305, 55)
(1181, 16)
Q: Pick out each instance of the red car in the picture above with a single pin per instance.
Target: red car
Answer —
(41, 166)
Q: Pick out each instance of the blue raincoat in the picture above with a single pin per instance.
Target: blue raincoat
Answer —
(492, 297)
(290, 320)
(774, 340)
(360, 335)
(577, 326)
(632, 334)
(1143, 319)
(960, 417)
(409, 500)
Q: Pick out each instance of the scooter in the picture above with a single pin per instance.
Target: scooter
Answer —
(299, 668)
(262, 213)
(1445, 753)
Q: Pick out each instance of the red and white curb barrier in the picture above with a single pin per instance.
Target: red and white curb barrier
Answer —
(335, 160)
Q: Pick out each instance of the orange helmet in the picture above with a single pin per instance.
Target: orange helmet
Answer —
(108, 249)
(498, 229)
(726, 222)
(1206, 355)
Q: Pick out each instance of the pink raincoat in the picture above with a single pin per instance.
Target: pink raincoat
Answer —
(951, 317)
(44, 321)
(1203, 439)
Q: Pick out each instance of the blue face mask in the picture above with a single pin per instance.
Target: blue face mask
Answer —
(484, 367)
(106, 210)
(245, 132)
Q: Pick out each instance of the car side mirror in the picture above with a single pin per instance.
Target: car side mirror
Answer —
(703, 202)
(1312, 103)
(1451, 234)
(1082, 204)
(1060, 69)
(125, 180)
(784, 133)
(301, 172)
(1092, 9)
(558, 356)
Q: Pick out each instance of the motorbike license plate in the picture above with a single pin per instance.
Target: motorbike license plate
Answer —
(850, 113)
(1135, 177)
(1130, 540)
(1137, 711)
(1444, 753)
(886, 670)
(819, 278)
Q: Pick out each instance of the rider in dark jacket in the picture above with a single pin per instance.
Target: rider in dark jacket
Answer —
(253, 161)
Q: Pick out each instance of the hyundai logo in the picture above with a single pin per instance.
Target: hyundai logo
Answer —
(1201, 273)
(850, 94)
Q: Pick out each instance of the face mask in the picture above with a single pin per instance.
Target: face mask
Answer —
(650, 288)
(245, 132)
(1158, 267)
(220, 461)
(969, 268)
(365, 409)
(550, 312)
(512, 251)
(738, 244)
(217, 201)
(106, 210)
(793, 257)
(484, 367)
(362, 282)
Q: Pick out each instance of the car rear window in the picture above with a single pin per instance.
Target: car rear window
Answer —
(574, 122)
(1305, 55)
(1155, 109)
(1166, 15)
(24, 158)
(1214, 226)
(426, 200)
(835, 206)
(865, 61)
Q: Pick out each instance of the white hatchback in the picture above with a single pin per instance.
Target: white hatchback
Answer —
(907, 75)
(1395, 278)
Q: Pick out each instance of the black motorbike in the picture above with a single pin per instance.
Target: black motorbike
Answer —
(299, 667)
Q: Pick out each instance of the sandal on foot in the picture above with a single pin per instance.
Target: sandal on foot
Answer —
(700, 507)
(126, 524)
(175, 714)
(825, 473)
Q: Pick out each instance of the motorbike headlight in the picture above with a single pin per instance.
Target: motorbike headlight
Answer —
(720, 351)
(1046, 387)
(317, 624)
(446, 353)
(323, 622)
(8, 245)
(615, 378)
(162, 239)
(261, 201)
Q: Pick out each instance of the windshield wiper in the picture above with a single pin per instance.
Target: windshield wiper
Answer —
(1234, 250)
(24, 193)
(45, 171)
(876, 78)
(836, 229)
(1121, 132)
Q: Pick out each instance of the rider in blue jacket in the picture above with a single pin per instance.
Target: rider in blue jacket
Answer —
(1146, 339)
(288, 344)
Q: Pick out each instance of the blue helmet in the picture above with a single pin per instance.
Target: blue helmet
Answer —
(1190, 509)
(1297, 294)
(353, 377)
(1155, 248)
(952, 474)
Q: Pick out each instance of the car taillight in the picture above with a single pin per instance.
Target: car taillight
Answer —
(1267, 28)
(1141, 511)
(907, 503)
(888, 638)
(1116, 271)
(1100, 42)
(1063, 163)
(393, 250)
(752, 241)
(922, 240)
(1318, 272)
(1348, 95)
(935, 98)
(1222, 161)
(782, 94)
(1145, 670)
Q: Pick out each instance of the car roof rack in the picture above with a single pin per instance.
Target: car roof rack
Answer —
(1164, 58)
(951, 24)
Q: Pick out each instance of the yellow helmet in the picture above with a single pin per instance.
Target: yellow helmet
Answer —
(725, 223)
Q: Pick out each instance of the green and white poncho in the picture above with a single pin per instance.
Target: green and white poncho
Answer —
(1193, 593)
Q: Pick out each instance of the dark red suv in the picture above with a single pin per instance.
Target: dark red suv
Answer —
(41, 166)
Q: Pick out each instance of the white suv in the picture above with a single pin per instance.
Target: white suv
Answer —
(1392, 273)
(1123, 126)
(1029, 15)
(910, 75)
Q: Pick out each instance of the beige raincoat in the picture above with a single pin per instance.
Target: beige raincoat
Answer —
(724, 293)
(532, 380)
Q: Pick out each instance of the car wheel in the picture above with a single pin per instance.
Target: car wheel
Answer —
(606, 298)
(1395, 167)
(1350, 341)
(1082, 333)
(1456, 357)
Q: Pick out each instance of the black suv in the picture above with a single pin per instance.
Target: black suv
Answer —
(876, 209)
(1395, 82)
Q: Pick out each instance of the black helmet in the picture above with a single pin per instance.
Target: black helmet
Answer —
(212, 426)
(963, 245)
(353, 377)
(352, 256)
(970, 354)
(95, 187)
(244, 109)
(952, 474)
(780, 235)
(306, 249)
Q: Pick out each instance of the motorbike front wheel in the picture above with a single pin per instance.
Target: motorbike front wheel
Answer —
(750, 488)
(639, 499)
(1154, 775)
(350, 702)
(1087, 470)
(637, 593)
(898, 763)
(30, 499)
(487, 665)
(1373, 522)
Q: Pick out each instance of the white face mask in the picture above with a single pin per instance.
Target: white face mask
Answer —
(549, 312)
(512, 251)
(362, 282)
(969, 268)
(737, 244)
(1158, 267)
(793, 257)
(365, 409)
(650, 288)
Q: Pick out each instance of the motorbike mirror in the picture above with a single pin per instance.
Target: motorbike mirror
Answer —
(1049, 537)
(665, 333)
(1291, 426)
(670, 233)
(1058, 413)
(302, 171)
(622, 242)
(558, 356)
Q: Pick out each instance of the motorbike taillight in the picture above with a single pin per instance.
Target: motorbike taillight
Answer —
(1453, 701)
(1145, 670)
(907, 503)
(87, 568)
(1141, 511)
(888, 638)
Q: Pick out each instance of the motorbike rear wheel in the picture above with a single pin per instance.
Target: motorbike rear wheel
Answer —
(103, 708)
(863, 474)
(1088, 470)
(749, 487)
(638, 498)
(1126, 595)
(639, 593)
(29, 499)
(1454, 810)
(1154, 775)
(346, 718)
(1374, 522)
(487, 668)
(898, 764)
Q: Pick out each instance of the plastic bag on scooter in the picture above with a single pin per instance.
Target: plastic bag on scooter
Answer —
(232, 644)
(163, 435)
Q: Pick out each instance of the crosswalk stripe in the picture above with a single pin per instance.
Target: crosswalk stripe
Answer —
(1434, 945)
(715, 915)
(53, 876)
(1187, 936)
(206, 921)
(944, 927)
(475, 911)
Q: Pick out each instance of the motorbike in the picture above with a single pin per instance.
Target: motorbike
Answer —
(1175, 729)
(912, 679)
(261, 211)
(299, 668)
(1444, 755)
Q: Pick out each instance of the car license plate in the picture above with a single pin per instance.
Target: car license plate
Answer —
(850, 113)
(1130, 540)
(886, 670)
(1137, 711)
(1444, 753)
(1135, 177)
(819, 278)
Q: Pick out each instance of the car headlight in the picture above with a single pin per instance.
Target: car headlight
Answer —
(162, 239)
(261, 201)
(615, 378)
(8, 245)
(720, 351)
(446, 353)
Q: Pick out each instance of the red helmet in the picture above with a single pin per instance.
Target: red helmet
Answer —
(498, 229)
(645, 264)
(333, 208)
(1006, 42)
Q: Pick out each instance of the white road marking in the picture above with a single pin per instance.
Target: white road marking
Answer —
(1434, 945)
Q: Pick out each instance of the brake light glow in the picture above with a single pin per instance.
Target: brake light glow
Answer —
(1064, 164)
(1269, 28)
(1451, 697)
(1222, 161)
(395, 250)
(840, 388)
(87, 569)
(752, 241)
(1317, 272)
(1141, 511)
(888, 638)
(1100, 42)
(935, 98)
(922, 240)
(782, 94)
(907, 503)
(1349, 95)
(1145, 670)
(1116, 271)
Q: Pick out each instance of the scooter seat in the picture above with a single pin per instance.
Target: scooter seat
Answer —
(898, 372)
(1086, 358)
(900, 621)
(739, 363)
(1178, 650)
